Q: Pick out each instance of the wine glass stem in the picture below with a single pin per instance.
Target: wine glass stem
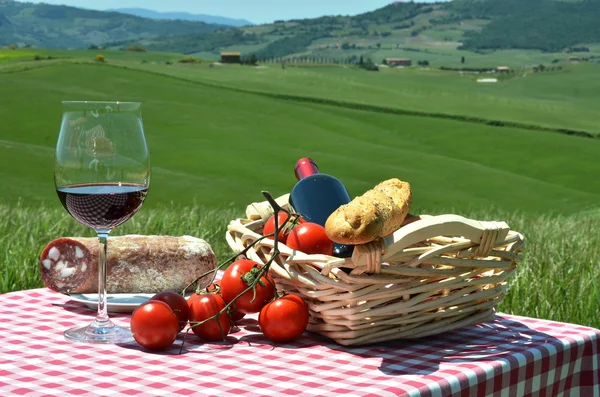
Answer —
(102, 319)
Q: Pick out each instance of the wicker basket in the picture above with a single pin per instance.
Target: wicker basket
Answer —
(434, 275)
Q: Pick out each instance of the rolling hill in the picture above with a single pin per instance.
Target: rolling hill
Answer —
(184, 16)
(430, 31)
(44, 25)
(428, 28)
(214, 143)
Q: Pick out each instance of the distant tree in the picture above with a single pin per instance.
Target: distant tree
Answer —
(93, 47)
(251, 60)
(136, 48)
(462, 59)
(369, 65)
(99, 58)
(345, 46)
(189, 59)
(361, 61)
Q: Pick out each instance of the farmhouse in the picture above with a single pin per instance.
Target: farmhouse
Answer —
(398, 62)
(230, 57)
(502, 69)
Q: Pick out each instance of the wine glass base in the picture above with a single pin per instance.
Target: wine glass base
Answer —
(90, 334)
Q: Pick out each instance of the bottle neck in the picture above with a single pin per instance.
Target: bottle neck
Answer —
(305, 167)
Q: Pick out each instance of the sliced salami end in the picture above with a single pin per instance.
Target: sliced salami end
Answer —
(64, 265)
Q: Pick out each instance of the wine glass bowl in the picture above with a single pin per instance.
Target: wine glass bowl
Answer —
(102, 175)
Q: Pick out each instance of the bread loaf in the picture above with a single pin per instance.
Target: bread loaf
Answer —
(134, 264)
(377, 213)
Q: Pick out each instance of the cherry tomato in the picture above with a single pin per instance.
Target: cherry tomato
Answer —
(232, 284)
(177, 303)
(235, 314)
(284, 319)
(269, 227)
(193, 298)
(215, 288)
(206, 306)
(154, 325)
(310, 238)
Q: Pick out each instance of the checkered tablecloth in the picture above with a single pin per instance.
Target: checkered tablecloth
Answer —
(511, 356)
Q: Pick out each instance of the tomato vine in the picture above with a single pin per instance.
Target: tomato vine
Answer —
(252, 280)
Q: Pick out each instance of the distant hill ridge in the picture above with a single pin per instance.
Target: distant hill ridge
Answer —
(186, 16)
(474, 25)
(44, 25)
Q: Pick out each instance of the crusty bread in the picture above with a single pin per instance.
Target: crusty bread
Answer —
(377, 213)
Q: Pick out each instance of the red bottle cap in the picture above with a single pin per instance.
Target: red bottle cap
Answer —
(305, 167)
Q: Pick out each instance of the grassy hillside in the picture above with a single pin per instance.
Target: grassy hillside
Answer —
(460, 33)
(562, 99)
(9, 58)
(547, 25)
(45, 25)
(215, 146)
(441, 33)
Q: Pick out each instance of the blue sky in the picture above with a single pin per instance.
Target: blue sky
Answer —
(254, 11)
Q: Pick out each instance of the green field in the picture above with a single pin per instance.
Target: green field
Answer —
(28, 54)
(220, 135)
(215, 145)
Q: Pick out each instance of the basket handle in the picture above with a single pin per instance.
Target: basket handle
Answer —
(486, 234)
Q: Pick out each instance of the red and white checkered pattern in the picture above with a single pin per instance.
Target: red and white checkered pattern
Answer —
(511, 356)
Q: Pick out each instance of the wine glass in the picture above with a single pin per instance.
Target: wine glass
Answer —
(102, 174)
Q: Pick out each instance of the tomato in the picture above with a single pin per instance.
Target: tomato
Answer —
(193, 298)
(284, 319)
(154, 325)
(269, 227)
(215, 288)
(233, 284)
(310, 238)
(177, 303)
(235, 314)
(206, 306)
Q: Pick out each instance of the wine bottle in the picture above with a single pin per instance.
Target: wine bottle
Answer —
(315, 196)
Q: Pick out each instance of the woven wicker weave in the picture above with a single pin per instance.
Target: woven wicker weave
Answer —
(431, 276)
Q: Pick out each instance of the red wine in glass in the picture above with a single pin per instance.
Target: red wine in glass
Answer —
(102, 205)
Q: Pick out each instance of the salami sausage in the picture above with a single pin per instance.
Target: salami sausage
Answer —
(135, 264)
